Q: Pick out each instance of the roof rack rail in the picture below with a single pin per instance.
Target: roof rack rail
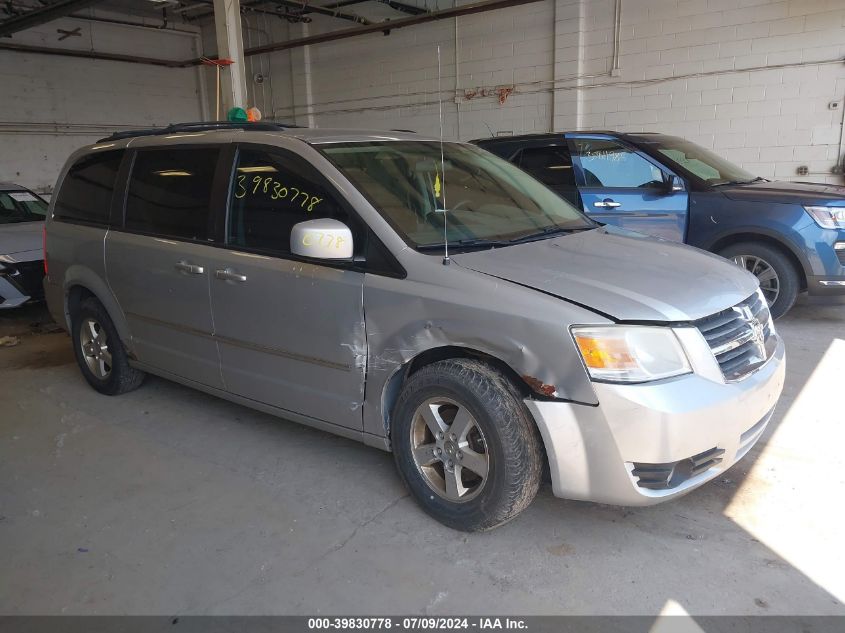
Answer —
(199, 126)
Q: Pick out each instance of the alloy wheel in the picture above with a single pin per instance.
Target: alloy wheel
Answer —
(93, 341)
(449, 449)
(766, 275)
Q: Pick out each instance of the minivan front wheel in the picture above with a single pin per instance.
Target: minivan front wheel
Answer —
(779, 280)
(465, 444)
(99, 351)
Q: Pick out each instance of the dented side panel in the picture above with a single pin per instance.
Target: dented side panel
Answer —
(440, 306)
(292, 335)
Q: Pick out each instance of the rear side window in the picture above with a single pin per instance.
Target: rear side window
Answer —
(170, 192)
(550, 165)
(86, 192)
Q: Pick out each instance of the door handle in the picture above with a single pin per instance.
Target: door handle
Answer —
(607, 203)
(191, 269)
(227, 274)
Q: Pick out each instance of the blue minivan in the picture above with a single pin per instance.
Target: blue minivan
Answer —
(790, 235)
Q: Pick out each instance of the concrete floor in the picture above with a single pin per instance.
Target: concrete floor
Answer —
(169, 501)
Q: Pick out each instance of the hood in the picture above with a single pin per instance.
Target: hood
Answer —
(624, 275)
(20, 237)
(807, 193)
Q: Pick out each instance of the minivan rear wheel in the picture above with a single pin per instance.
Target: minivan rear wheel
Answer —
(778, 277)
(465, 444)
(99, 351)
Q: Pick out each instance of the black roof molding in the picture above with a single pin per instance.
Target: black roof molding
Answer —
(199, 126)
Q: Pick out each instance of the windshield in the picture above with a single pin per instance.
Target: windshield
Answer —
(21, 206)
(485, 197)
(711, 168)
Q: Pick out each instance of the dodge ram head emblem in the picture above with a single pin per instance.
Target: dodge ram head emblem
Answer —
(758, 329)
(759, 336)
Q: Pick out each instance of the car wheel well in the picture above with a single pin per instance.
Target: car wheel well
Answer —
(394, 385)
(75, 296)
(736, 238)
(442, 353)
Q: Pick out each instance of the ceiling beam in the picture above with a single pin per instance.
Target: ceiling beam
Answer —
(304, 7)
(292, 9)
(343, 3)
(380, 27)
(387, 25)
(410, 9)
(42, 15)
(70, 52)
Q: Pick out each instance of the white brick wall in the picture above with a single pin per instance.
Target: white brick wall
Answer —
(769, 121)
(50, 106)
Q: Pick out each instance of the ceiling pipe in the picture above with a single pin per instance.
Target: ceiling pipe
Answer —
(45, 14)
(304, 7)
(343, 3)
(297, 8)
(387, 25)
(410, 9)
(380, 27)
(114, 57)
(143, 25)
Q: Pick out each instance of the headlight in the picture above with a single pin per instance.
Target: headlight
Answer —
(630, 353)
(828, 217)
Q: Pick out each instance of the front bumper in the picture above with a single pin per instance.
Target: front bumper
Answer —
(20, 281)
(827, 257)
(599, 453)
(826, 286)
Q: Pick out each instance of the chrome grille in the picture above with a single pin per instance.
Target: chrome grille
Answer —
(740, 337)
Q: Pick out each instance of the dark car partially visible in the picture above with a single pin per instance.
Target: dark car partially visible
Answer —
(22, 214)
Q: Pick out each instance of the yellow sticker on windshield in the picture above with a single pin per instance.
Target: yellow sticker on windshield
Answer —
(437, 185)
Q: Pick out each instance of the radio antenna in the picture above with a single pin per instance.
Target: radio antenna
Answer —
(446, 260)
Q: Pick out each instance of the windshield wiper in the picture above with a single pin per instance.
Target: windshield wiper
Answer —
(548, 232)
(471, 242)
(477, 242)
(741, 182)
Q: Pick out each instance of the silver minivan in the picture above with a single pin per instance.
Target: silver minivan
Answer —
(425, 298)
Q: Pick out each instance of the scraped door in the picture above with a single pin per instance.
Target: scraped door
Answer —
(290, 331)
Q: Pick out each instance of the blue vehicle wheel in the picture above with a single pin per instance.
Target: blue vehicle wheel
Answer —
(779, 280)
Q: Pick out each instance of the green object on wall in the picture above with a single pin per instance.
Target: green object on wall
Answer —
(237, 114)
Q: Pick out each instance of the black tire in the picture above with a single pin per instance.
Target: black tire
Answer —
(511, 441)
(120, 378)
(788, 276)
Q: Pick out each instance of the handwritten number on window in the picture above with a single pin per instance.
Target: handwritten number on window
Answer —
(279, 191)
(276, 191)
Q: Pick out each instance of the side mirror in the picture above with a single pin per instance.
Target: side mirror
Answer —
(673, 183)
(321, 239)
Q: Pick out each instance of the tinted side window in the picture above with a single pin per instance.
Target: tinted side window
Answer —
(170, 192)
(610, 164)
(550, 165)
(272, 191)
(86, 191)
